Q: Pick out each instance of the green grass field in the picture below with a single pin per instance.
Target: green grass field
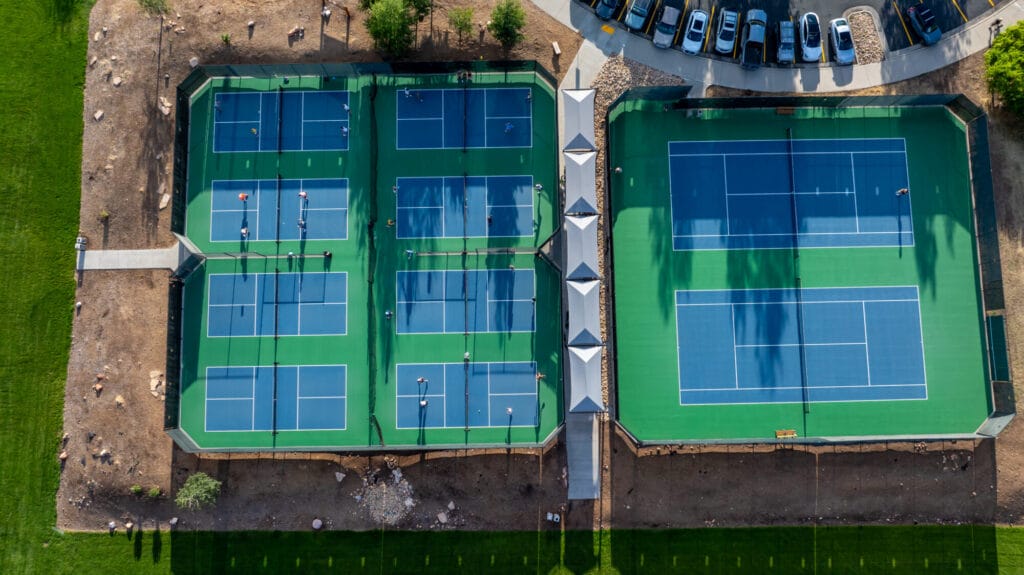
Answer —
(942, 262)
(36, 297)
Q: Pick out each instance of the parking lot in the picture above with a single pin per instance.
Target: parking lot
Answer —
(897, 32)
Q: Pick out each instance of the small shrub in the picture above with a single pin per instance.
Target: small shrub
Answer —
(461, 20)
(507, 22)
(200, 490)
(390, 25)
(226, 38)
(136, 489)
(154, 6)
(1004, 67)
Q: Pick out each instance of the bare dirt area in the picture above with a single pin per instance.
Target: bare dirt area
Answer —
(113, 403)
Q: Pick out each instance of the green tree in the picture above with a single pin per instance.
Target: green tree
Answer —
(461, 19)
(390, 25)
(1004, 67)
(200, 490)
(420, 8)
(507, 22)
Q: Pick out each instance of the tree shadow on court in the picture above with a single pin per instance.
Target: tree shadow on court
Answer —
(766, 324)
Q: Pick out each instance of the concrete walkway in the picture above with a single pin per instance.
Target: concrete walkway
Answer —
(599, 45)
(161, 258)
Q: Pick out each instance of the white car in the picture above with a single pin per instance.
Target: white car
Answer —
(696, 28)
(810, 37)
(725, 38)
(665, 31)
(842, 42)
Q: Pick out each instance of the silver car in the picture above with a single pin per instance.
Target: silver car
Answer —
(842, 42)
(725, 37)
(785, 53)
(810, 37)
(637, 16)
(696, 29)
(665, 31)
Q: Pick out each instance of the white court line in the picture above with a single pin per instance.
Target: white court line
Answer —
(862, 302)
(847, 343)
(867, 350)
(801, 234)
(853, 179)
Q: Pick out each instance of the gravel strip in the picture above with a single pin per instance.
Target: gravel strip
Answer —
(866, 38)
(616, 76)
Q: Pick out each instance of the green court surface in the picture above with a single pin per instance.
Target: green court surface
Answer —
(362, 328)
(940, 263)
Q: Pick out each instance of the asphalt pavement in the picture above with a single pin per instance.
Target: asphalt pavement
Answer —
(949, 14)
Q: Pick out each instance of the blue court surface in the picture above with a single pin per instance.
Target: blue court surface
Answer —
(313, 303)
(304, 397)
(475, 207)
(456, 118)
(434, 395)
(321, 215)
(762, 193)
(289, 121)
(744, 346)
(472, 301)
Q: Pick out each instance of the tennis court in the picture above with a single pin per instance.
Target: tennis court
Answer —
(334, 262)
(465, 301)
(770, 281)
(275, 398)
(778, 346)
(277, 304)
(464, 118)
(772, 193)
(262, 210)
(467, 394)
(465, 206)
(281, 121)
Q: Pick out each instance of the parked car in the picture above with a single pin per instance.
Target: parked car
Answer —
(637, 16)
(785, 53)
(923, 22)
(696, 29)
(605, 9)
(842, 41)
(810, 37)
(725, 37)
(752, 41)
(668, 23)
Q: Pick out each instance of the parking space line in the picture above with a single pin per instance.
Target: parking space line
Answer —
(957, 6)
(736, 42)
(711, 19)
(654, 16)
(902, 22)
(682, 26)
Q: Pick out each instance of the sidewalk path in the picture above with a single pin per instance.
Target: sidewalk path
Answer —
(598, 45)
(162, 258)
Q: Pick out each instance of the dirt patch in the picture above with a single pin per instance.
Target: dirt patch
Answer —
(113, 413)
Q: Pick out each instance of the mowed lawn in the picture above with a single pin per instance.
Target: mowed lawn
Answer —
(44, 52)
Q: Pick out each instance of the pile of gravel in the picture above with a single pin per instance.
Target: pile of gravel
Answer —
(387, 502)
(866, 38)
